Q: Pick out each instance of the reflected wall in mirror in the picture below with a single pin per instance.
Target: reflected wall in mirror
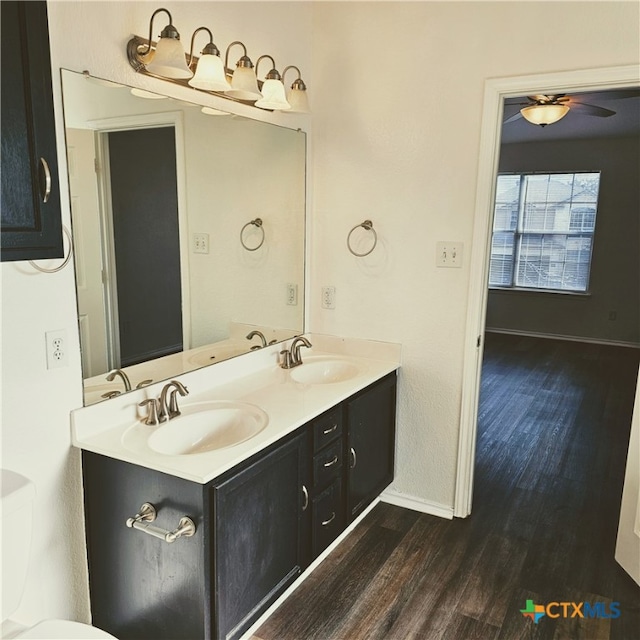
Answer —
(163, 196)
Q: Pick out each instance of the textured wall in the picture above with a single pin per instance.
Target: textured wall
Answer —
(398, 93)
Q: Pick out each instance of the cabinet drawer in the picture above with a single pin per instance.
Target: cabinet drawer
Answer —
(328, 517)
(327, 465)
(327, 428)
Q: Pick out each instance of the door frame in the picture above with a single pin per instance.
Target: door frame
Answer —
(102, 127)
(495, 91)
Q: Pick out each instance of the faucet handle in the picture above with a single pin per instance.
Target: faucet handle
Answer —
(286, 359)
(152, 415)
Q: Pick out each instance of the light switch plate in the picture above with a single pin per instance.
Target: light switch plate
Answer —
(449, 254)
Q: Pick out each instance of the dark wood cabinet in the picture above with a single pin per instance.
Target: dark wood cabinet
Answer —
(258, 526)
(257, 537)
(31, 225)
(370, 418)
(140, 586)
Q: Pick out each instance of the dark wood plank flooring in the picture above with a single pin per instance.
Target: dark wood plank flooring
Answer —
(553, 434)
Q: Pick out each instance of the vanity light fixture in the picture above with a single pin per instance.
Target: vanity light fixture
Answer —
(209, 75)
(244, 83)
(544, 114)
(297, 96)
(166, 59)
(272, 89)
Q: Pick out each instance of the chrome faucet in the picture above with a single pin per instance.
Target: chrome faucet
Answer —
(125, 378)
(261, 335)
(292, 357)
(167, 411)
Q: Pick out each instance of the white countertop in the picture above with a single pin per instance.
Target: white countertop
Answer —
(254, 378)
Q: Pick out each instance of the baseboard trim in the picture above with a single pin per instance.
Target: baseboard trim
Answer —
(417, 504)
(554, 336)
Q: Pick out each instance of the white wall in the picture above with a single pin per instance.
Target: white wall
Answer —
(397, 96)
(36, 401)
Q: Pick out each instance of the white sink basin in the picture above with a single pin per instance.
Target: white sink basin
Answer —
(323, 370)
(202, 427)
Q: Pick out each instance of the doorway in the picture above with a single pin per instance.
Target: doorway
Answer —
(495, 92)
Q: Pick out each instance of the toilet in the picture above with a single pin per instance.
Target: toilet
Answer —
(18, 494)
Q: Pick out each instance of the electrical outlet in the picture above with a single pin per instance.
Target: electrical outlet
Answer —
(292, 294)
(56, 348)
(200, 243)
(328, 297)
(449, 254)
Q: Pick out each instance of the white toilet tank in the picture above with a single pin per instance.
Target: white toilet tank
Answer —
(16, 514)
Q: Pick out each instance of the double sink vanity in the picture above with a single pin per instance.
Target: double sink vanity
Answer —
(209, 490)
(257, 476)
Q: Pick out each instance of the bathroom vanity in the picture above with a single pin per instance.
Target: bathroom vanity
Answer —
(263, 510)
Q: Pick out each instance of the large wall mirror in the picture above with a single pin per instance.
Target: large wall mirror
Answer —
(188, 229)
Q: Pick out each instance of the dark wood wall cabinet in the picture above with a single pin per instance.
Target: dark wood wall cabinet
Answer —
(31, 226)
(258, 526)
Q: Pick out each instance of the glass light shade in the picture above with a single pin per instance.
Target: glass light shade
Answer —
(273, 96)
(299, 101)
(210, 74)
(169, 60)
(244, 84)
(544, 114)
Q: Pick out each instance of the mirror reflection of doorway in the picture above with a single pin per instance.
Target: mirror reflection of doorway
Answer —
(146, 249)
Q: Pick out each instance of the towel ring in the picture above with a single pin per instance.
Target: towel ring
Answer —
(65, 261)
(256, 223)
(368, 226)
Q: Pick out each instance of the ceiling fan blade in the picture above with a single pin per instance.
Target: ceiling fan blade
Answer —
(592, 110)
(612, 94)
(513, 118)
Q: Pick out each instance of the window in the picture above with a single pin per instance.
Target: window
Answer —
(543, 231)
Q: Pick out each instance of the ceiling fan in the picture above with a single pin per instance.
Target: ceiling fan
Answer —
(546, 109)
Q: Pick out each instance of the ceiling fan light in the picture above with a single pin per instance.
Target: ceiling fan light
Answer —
(544, 114)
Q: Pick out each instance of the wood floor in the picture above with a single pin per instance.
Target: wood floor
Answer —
(551, 451)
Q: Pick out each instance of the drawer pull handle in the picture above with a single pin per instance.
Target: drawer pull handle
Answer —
(326, 432)
(305, 493)
(354, 460)
(330, 520)
(47, 180)
(331, 462)
(148, 513)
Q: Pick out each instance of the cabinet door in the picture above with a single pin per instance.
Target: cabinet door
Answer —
(31, 227)
(258, 546)
(371, 443)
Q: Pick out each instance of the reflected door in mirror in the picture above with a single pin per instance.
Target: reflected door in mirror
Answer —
(144, 205)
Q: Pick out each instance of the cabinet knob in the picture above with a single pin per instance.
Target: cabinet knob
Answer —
(354, 459)
(305, 493)
(326, 432)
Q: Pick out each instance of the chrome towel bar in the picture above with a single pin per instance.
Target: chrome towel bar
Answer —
(148, 513)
